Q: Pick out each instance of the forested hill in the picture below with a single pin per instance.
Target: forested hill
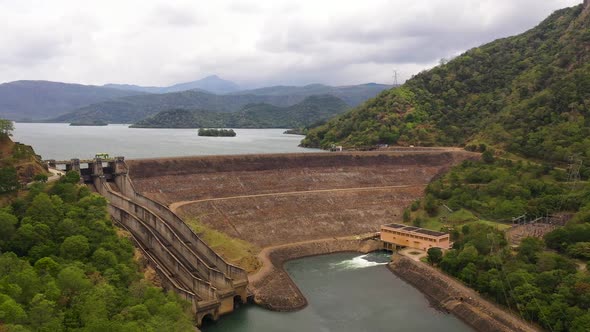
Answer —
(353, 95)
(261, 115)
(528, 94)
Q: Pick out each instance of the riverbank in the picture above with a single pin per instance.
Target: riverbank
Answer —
(450, 295)
(272, 287)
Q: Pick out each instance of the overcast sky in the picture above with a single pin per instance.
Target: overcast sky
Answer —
(254, 43)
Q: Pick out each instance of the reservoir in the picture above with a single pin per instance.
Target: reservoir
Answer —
(347, 292)
(61, 141)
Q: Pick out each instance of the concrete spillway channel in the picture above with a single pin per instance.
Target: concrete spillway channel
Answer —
(186, 264)
(236, 274)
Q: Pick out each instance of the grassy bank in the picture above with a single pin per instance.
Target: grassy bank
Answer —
(235, 251)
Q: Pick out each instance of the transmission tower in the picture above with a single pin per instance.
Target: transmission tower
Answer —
(573, 174)
(395, 78)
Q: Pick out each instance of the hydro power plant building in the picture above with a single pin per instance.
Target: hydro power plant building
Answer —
(398, 235)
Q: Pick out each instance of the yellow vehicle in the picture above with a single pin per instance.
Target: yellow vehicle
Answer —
(102, 155)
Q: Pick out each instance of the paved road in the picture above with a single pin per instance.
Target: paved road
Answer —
(56, 174)
(176, 205)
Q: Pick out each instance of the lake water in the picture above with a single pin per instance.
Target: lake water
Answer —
(347, 292)
(61, 141)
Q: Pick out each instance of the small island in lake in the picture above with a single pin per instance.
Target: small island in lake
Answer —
(89, 123)
(217, 132)
(296, 131)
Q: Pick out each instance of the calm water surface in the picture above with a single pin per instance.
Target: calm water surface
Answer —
(61, 141)
(347, 292)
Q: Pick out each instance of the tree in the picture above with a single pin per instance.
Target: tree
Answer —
(407, 216)
(10, 311)
(72, 177)
(579, 250)
(488, 156)
(430, 205)
(43, 210)
(6, 127)
(7, 228)
(104, 259)
(46, 266)
(529, 248)
(40, 178)
(72, 280)
(435, 255)
(8, 179)
(75, 247)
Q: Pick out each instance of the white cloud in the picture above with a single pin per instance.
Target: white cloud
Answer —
(251, 42)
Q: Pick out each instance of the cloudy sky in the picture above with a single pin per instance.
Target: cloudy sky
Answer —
(254, 43)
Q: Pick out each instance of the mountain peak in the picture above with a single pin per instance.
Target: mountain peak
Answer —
(211, 83)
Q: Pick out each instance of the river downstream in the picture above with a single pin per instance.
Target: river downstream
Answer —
(347, 292)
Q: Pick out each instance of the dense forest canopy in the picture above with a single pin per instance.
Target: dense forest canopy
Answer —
(64, 267)
(528, 94)
(545, 280)
(258, 115)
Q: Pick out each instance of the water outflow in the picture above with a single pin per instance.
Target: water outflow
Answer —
(362, 261)
(347, 292)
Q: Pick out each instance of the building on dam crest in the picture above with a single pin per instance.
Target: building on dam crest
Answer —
(398, 235)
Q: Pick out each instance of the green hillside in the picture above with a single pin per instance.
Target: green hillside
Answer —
(528, 94)
(353, 95)
(305, 113)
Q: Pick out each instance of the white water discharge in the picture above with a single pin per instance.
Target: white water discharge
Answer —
(359, 262)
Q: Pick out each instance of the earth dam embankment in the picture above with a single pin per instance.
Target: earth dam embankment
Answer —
(270, 200)
(293, 203)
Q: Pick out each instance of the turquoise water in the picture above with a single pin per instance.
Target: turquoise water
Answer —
(347, 292)
(61, 141)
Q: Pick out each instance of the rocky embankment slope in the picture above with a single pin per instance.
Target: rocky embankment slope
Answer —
(452, 296)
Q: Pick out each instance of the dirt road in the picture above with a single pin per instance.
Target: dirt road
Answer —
(176, 205)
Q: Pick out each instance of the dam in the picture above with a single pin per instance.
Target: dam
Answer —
(264, 200)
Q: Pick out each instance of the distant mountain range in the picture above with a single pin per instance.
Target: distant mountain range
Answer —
(135, 108)
(309, 111)
(40, 100)
(213, 84)
(121, 103)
